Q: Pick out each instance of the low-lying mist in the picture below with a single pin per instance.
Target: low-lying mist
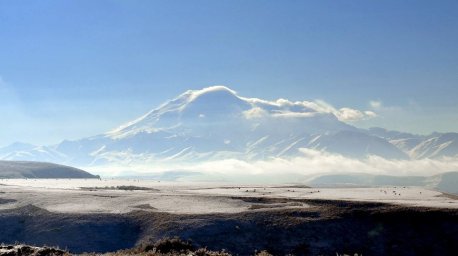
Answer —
(294, 169)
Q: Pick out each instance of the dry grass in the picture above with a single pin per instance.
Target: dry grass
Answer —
(166, 247)
(22, 250)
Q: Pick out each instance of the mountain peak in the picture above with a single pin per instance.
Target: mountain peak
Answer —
(211, 102)
(216, 123)
(213, 93)
(215, 101)
(212, 90)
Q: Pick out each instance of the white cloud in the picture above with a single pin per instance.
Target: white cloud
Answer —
(349, 115)
(193, 94)
(375, 104)
(312, 162)
(344, 114)
(303, 109)
(370, 114)
(255, 112)
(293, 114)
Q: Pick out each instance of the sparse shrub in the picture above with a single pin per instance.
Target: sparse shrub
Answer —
(25, 250)
(205, 252)
(263, 253)
(22, 250)
(168, 245)
(50, 252)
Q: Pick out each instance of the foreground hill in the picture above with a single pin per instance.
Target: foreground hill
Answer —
(324, 228)
(23, 169)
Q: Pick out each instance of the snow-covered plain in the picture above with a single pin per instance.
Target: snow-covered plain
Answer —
(100, 196)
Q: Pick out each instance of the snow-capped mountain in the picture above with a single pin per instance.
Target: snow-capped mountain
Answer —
(356, 144)
(216, 123)
(436, 145)
(28, 152)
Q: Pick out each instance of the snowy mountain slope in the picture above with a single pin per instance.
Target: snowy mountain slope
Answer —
(211, 110)
(356, 144)
(392, 135)
(216, 123)
(439, 145)
(435, 145)
(16, 147)
(28, 152)
(406, 144)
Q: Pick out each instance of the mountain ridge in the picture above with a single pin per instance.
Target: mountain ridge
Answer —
(217, 123)
(40, 170)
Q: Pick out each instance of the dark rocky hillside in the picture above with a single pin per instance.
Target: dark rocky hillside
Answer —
(40, 170)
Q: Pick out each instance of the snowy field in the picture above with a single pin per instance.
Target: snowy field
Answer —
(122, 195)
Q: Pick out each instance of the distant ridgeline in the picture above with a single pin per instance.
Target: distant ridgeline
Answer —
(444, 182)
(24, 169)
(215, 123)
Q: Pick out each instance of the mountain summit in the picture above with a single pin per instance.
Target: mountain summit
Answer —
(193, 107)
(215, 123)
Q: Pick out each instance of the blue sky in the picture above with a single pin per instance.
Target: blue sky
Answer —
(71, 69)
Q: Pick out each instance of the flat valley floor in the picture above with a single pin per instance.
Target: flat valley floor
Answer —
(111, 214)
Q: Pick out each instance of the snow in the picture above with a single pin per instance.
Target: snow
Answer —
(62, 195)
(411, 196)
(216, 123)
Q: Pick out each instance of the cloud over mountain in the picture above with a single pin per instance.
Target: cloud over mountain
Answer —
(216, 125)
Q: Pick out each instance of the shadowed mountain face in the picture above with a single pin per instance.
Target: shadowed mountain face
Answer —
(15, 169)
(215, 123)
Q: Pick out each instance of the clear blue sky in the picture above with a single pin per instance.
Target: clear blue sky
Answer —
(71, 69)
